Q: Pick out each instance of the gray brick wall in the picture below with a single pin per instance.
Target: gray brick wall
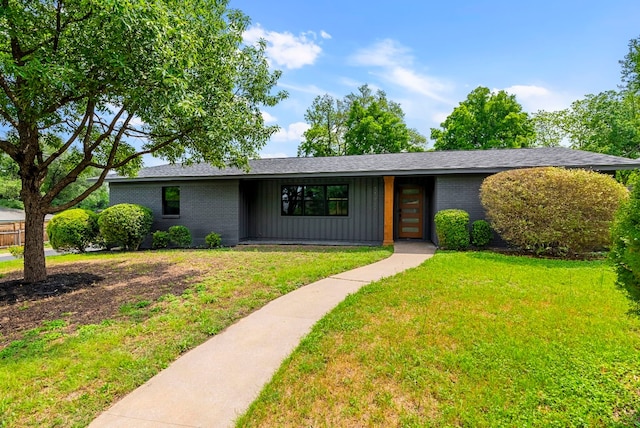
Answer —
(458, 192)
(205, 206)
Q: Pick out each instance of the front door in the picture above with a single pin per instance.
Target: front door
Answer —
(410, 216)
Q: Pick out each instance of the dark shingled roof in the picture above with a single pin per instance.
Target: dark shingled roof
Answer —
(425, 163)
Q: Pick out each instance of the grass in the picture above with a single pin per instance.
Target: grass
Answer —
(467, 339)
(54, 377)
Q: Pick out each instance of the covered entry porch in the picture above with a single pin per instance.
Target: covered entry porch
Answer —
(408, 208)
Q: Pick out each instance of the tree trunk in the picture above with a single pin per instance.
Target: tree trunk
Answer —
(34, 261)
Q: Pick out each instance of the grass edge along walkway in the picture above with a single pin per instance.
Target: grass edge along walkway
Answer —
(467, 339)
(213, 383)
(59, 379)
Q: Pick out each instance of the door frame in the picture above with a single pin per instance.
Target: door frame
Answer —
(424, 208)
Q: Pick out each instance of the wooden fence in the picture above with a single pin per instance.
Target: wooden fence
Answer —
(12, 233)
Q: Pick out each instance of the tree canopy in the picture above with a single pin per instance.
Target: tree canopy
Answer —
(110, 81)
(605, 123)
(485, 120)
(362, 123)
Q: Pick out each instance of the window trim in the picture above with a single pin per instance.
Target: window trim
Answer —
(326, 200)
(165, 213)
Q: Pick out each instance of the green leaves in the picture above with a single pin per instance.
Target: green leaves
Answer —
(485, 120)
(361, 123)
(551, 209)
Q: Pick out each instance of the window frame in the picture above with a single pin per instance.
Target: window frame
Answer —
(308, 202)
(167, 209)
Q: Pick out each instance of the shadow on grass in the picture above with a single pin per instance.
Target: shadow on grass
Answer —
(532, 261)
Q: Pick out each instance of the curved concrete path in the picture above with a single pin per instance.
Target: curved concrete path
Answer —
(213, 384)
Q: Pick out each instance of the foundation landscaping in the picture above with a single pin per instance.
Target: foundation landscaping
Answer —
(471, 337)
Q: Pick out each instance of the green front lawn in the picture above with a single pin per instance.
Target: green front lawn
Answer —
(468, 339)
(64, 374)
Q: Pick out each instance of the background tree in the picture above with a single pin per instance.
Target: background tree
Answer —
(111, 81)
(603, 123)
(485, 120)
(325, 137)
(364, 122)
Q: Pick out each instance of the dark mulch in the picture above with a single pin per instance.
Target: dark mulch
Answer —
(18, 291)
(86, 292)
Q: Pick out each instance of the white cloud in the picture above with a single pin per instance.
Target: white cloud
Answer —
(309, 89)
(325, 35)
(286, 49)
(273, 155)
(534, 98)
(396, 66)
(293, 132)
(268, 118)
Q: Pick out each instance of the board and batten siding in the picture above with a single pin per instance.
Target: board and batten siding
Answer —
(262, 218)
(205, 206)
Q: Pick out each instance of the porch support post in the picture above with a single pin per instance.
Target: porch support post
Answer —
(388, 210)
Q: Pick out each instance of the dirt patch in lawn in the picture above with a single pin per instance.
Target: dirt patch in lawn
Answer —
(87, 292)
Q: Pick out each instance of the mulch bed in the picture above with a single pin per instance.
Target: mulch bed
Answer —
(84, 293)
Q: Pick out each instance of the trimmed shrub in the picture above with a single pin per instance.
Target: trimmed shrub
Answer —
(213, 240)
(552, 210)
(125, 225)
(481, 233)
(73, 230)
(180, 236)
(160, 239)
(452, 228)
(625, 242)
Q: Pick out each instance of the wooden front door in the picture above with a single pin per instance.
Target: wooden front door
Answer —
(410, 215)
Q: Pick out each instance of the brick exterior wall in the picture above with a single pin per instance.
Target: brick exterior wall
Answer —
(205, 206)
(458, 192)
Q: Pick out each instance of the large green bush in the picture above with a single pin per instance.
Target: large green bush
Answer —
(452, 229)
(625, 245)
(554, 210)
(73, 230)
(125, 225)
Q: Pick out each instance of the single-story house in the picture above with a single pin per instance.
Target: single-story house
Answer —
(365, 199)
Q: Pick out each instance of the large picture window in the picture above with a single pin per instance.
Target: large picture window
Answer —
(171, 200)
(315, 200)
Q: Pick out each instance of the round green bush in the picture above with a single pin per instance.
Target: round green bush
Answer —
(160, 239)
(452, 229)
(180, 236)
(625, 242)
(481, 234)
(73, 230)
(125, 225)
(552, 210)
(213, 240)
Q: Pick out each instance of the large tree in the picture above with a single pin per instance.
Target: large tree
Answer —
(607, 122)
(112, 81)
(485, 120)
(363, 122)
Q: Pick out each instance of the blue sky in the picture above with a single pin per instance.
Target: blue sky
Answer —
(429, 55)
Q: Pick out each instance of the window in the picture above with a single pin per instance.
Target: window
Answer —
(171, 200)
(315, 200)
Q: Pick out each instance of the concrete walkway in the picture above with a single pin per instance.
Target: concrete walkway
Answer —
(213, 384)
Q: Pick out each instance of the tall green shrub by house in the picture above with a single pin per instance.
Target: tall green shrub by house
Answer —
(73, 230)
(125, 225)
(452, 229)
(551, 209)
(625, 246)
